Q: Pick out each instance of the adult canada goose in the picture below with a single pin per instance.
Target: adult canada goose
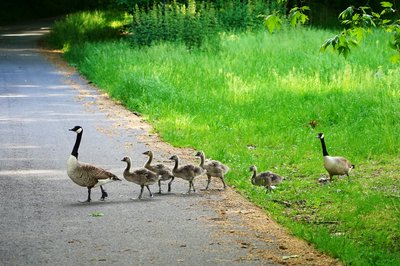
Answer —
(162, 170)
(141, 176)
(265, 179)
(187, 172)
(335, 165)
(84, 174)
(213, 168)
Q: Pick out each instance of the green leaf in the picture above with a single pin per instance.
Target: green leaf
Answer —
(348, 12)
(272, 23)
(96, 214)
(386, 4)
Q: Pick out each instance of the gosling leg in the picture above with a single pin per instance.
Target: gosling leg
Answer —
(141, 191)
(151, 194)
(194, 190)
(223, 181)
(169, 184)
(159, 186)
(208, 181)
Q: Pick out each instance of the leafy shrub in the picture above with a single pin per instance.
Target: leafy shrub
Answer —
(192, 25)
(82, 27)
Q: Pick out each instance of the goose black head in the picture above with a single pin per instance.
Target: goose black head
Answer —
(320, 135)
(77, 129)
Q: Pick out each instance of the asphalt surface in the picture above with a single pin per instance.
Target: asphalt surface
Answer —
(42, 222)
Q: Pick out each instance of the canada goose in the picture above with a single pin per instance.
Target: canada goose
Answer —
(87, 175)
(265, 179)
(141, 176)
(335, 165)
(213, 168)
(162, 170)
(187, 172)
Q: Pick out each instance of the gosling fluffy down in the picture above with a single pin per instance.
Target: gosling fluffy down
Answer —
(142, 176)
(213, 168)
(163, 171)
(265, 179)
(187, 172)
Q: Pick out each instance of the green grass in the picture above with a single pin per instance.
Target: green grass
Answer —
(251, 103)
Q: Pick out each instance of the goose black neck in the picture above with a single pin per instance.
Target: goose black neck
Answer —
(324, 151)
(77, 143)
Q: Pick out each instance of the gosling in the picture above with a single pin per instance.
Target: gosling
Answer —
(141, 176)
(187, 172)
(265, 179)
(163, 171)
(213, 168)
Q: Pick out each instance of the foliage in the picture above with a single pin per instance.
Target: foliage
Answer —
(85, 26)
(297, 16)
(193, 24)
(359, 21)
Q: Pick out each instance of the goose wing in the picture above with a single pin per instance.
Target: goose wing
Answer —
(96, 172)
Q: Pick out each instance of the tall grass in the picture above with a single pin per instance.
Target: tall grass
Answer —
(252, 103)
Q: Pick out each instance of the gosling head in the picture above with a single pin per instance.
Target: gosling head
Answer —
(77, 129)
(174, 158)
(199, 154)
(320, 135)
(126, 159)
(253, 168)
(148, 153)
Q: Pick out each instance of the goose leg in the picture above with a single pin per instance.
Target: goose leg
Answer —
(104, 194)
(151, 194)
(141, 191)
(169, 184)
(88, 198)
(159, 186)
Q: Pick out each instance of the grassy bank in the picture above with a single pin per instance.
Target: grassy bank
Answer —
(252, 101)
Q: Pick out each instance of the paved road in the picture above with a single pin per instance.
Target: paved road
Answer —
(41, 219)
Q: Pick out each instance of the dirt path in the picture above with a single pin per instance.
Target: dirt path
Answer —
(43, 224)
